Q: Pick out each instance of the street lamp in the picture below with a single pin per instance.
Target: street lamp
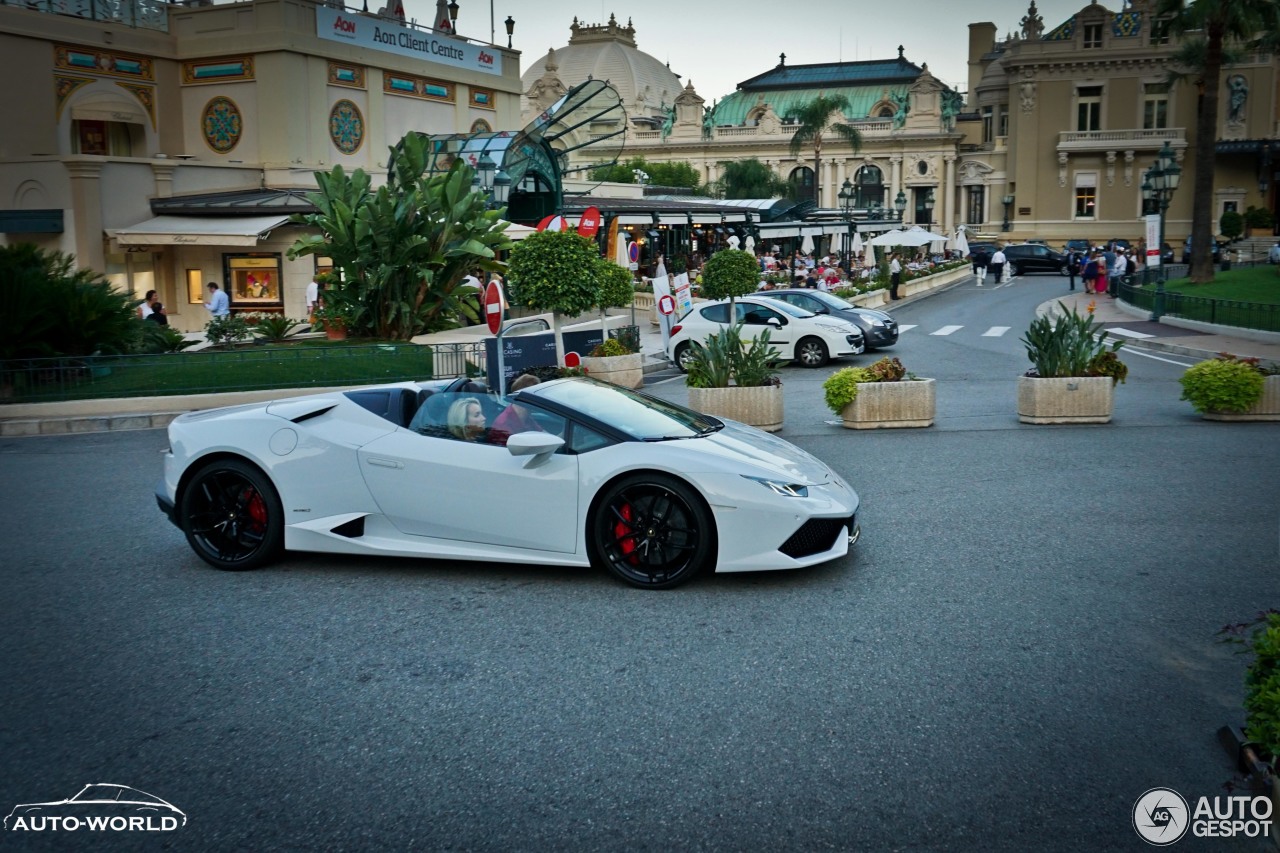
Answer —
(1158, 186)
(1008, 205)
(511, 28)
(900, 203)
(846, 196)
(929, 200)
(492, 181)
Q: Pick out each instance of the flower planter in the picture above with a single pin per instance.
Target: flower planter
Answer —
(1266, 409)
(625, 371)
(335, 330)
(887, 405)
(760, 406)
(1066, 400)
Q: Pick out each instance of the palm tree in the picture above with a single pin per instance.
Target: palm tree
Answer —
(1213, 25)
(823, 115)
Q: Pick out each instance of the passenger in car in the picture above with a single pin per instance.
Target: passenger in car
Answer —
(466, 419)
(515, 417)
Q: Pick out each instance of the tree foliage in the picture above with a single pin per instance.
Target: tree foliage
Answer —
(750, 179)
(660, 174)
(730, 273)
(403, 250)
(1213, 27)
(818, 118)
(617, 287)
(49, 308)
(554, 271)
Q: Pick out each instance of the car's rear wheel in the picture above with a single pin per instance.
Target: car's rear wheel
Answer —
(651, 531)
(811, 352)
(1064, 270)
(683, 354)
(232, 515)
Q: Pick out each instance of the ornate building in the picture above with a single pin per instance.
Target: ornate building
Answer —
(166, 145)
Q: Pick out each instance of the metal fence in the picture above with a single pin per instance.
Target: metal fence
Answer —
(245, 368)
(1223, 312)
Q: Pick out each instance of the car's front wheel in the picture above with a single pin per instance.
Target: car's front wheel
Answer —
(651, 531)
(811, 352)
(232, 515)
(1014, 269)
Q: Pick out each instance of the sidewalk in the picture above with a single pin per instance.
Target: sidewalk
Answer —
(1135, 326)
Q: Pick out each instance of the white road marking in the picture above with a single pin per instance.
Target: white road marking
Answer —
(1128, 351)
(946, 330)
(995, 331)
(1128, 333)
(906, 328)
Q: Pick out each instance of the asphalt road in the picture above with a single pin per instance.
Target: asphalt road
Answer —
(1020, 646)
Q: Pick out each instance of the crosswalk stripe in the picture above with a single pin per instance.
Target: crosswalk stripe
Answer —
(905, 328)
(946, 330)
(1129, 333)
(995, 331)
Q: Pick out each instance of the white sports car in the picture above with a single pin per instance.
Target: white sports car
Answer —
(570, 472)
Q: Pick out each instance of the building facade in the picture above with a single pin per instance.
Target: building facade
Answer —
(166, 145)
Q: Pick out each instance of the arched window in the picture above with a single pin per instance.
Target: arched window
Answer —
(481, 126)
(801, 181)
(108, 126)
(885, 112)
(868, 187)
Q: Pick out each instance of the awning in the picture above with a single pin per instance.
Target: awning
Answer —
(782, 230)
(198, 231)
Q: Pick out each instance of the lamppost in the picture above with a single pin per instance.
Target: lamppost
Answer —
(900, 204)
(492, 181)
(1159, 183)
(511, 28)
(1008, 205)
(846, 196)
(929, 200)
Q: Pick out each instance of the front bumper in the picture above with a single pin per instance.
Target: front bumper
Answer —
(167, 507)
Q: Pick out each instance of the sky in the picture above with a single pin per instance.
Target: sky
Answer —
(719, 45)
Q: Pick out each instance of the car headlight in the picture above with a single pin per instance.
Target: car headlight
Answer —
(877, 322)
(787, 490)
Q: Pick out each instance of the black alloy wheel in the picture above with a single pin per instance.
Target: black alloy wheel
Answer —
(811, 352)
(651, 531)
(232, 516)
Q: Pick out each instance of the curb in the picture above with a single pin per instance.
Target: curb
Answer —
(68, 426)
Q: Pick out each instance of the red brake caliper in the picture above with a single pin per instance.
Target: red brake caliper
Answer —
(257, 509)
(625, 534)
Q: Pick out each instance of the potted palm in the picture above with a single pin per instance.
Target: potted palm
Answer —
(1228, 388)
(1074, 372)
(882, 395)
(730, 378)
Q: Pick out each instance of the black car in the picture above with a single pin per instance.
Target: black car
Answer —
(878, 328)
(1033, 257)
(1186, 251)
(1077, 246)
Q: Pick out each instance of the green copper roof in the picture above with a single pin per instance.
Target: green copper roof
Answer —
(734, 108)
(868, 72)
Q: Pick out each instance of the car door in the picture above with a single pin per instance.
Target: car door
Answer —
(756, 318)
(431, 485)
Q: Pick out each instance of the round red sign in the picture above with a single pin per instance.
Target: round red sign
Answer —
(493, 306)
(666, 304)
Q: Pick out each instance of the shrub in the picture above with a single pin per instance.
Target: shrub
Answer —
(1261, 638)
(1108, 364)
(157, 339)
(611, 347)
(1222, 385)
(841, 388)
(274, 327)
(1259, 217)
(730, 273)
(724, 360)
(1231, 225)
(225, 331)
(1066, 345)
(617, 286)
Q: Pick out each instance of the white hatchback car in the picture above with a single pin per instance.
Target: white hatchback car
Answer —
(799, 335)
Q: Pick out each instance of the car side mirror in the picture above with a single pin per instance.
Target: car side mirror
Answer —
(538, 445)
(776, 322)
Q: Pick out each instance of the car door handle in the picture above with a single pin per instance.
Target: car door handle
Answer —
(383, 463)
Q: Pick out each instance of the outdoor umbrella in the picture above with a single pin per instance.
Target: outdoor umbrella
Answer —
(962, 242)
(870, 259)
(890, 238)
(856, 246)
(751, 244)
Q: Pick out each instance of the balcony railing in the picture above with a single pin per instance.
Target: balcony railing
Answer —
(140, 14)
(1112, 140)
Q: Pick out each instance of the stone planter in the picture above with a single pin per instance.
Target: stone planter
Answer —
(1067, 400)
(625, 371)
(760, 407)
(882, 405)
(1266, 409)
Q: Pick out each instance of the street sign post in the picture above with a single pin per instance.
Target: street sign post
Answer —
(666, 304)
(493, 314)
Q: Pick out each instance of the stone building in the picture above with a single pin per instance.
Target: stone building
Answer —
(166, 145)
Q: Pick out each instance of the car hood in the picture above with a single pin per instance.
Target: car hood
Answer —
(751, 448)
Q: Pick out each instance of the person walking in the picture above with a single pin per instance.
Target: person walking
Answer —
(895, 277)
(1074, 265)
(313, 299)
(1104, 270)
(219, 305)
(997, 265)
(981, 260)
(1116, 274)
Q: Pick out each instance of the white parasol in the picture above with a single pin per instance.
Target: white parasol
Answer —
(870, 259)
(856, 245)
(806, 245)
(962, 242)
(889, 238)
(751, 244)
(620, 257)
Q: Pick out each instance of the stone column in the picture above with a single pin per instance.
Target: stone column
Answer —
(163, 173)
(949, 195)
(895, 180)
(86, 205)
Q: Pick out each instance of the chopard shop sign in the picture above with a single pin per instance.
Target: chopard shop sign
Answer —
(381, 34)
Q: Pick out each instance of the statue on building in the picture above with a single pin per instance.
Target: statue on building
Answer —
(902, 105)
(952, 104)
(548, 88)
(669, 121)
(1032, 24)
(708, 120)
(1237, 98)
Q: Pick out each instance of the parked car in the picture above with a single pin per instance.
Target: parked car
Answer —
(1186, 251)
(879, 329)
(1077, 246)
(1119, 243)
(1038, 241)
(989, 248)
(811, 339)
(595, 475)
(1032, 257)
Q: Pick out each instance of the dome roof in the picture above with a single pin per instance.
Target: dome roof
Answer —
(608, 52)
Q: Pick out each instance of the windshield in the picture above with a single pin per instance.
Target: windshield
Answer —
(830, 300)
(641, 417)
(788, 308)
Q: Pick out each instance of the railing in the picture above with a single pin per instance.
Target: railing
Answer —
(140, 14)
(1087, 139)
(1260, 316)
(245, 368)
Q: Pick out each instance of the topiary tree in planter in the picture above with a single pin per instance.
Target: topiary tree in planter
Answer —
(1231, 225)
(554, 271)
(728, 274)
(616, 287)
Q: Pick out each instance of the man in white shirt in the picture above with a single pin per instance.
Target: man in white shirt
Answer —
(219, 305)
(313, 297)
(997, 264)
(895, 277)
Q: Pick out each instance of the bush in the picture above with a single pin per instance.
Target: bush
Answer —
(841, 388)
(1222, 385)
(1108, 364)
(723, 360)
(617, 287)
(225, 331)
(1231, 225)
(157, 339)
(274, 327)
(1259, 217)
(611, 347)
(1067, 345)
(1261, 638)
(730, 273)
